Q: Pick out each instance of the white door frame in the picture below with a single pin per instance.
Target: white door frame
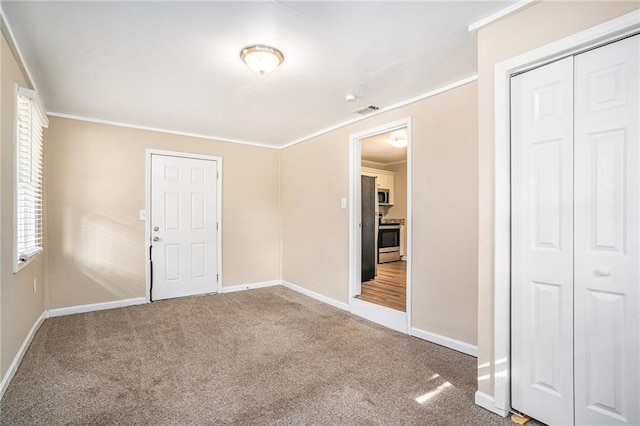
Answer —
(147, 234)
(386, 316)
(601, 34)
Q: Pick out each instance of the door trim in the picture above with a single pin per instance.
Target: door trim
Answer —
(385, 316)
(601, 34)
(149, 152)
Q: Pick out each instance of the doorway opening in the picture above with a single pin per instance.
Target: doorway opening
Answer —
(383, 243)
(380, 226)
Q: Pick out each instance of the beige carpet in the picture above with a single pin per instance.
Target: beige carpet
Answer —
(269, 356)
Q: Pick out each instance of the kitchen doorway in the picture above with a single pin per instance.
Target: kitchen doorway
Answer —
(380, 225)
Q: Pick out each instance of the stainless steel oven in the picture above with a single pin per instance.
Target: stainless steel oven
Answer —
(388, 243)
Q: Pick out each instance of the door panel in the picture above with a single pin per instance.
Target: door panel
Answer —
(542, 243)
(607, 235)
(547, 156)
(184, 210)
(545, 369)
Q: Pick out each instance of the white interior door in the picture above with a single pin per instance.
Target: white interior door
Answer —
(542, 243)
(607, 232)
(576, 238)
(183, 226)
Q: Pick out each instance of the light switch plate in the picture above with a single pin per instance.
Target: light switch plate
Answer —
(143, 215)
(343, 203)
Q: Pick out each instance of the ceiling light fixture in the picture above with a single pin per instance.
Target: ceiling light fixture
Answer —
(398, 141)
(262, 59)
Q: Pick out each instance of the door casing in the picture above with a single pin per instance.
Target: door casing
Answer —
(386, 316)
(607, 32)
(147, 211)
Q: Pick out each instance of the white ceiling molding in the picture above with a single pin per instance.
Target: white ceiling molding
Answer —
(156, 129)
(263, 145)
(394, 163)
(500, 14)
(13, 45)
(372, 164)
(388, 108)
(379, 164)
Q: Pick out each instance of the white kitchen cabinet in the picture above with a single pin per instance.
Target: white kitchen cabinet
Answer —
(391, 187)
(385, 180)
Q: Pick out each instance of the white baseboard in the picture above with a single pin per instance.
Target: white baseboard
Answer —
(250, 286)
(58, 312)
(487, 402)
(4, 384)
(317, 296)
(445, 341)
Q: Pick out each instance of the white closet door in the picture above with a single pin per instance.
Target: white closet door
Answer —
(542, 242)
(607, 233)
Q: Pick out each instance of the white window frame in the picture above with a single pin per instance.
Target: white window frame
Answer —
(37, 119)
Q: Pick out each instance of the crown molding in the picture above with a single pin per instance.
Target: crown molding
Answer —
(15, 49)
(388, 108)
(500, 14)
(263, 145)
(156, 129)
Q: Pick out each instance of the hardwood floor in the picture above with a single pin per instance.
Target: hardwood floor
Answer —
(389, 288)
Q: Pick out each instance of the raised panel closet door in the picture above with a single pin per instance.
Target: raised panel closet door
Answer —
(607, 233)
(542, 242)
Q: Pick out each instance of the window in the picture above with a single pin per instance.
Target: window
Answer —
(30, 119)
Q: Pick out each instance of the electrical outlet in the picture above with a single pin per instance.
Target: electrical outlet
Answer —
(35, 285)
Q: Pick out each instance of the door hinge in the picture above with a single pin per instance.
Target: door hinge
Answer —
(216, 277)
(217, 227)
(217, 175)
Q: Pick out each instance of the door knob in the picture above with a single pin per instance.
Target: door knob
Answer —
(602, 272)
(156, 239)
(155, 228)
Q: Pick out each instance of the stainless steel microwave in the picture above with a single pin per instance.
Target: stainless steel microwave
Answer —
(383, 196)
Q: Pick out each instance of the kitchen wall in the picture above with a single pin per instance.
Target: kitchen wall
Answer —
(96, 188)
(20, 307)
(535, 26)
(316, 230)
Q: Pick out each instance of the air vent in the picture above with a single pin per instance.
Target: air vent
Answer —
(366, 110)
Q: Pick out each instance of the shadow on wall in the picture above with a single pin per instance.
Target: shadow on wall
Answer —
(107, 249)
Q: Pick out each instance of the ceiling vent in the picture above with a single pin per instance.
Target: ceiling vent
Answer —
(366, 110)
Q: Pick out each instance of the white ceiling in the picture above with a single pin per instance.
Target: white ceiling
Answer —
(176, 65)
(379, 150)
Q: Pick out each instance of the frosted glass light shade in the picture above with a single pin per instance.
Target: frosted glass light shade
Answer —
(262, 59)
(398, 141)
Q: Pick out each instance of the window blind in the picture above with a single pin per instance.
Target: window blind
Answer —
(30, 121)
